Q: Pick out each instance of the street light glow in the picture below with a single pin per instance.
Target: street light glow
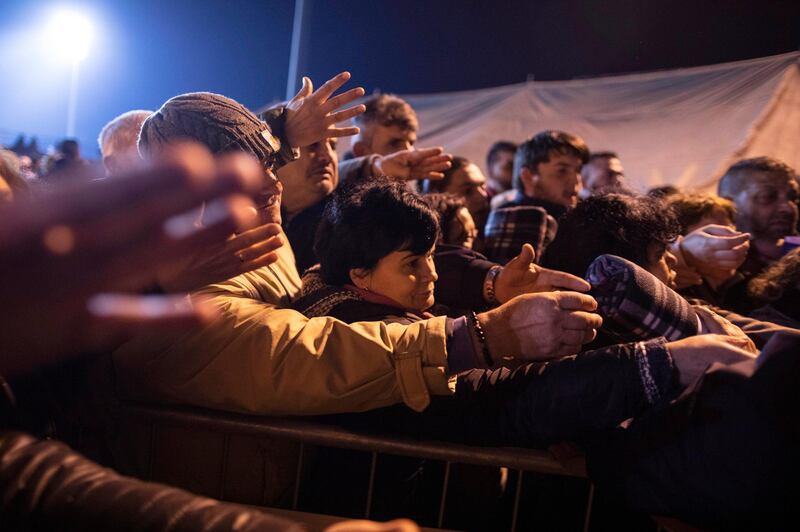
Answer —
(69, 35)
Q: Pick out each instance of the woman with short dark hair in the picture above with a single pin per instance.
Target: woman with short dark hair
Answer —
(375, 247)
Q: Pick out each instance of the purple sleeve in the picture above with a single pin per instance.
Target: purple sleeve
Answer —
(461, 354)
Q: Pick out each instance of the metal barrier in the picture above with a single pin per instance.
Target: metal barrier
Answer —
(307, 432)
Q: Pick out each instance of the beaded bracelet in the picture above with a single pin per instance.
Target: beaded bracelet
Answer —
(472, 318)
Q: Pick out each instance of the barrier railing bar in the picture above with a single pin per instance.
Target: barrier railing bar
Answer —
(590, 500)
(226, 442)
(442, 502)
(296, 495)
(318, 434)
(517, 496)
(371, 485)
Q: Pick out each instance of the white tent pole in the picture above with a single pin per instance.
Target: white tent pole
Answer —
(294, 53)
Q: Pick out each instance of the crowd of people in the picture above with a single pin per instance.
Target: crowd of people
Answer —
(401, 290)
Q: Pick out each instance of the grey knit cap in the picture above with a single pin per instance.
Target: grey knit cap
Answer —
(218, 122)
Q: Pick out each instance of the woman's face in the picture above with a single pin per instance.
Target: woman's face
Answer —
(661, 263)
(402, 276)
(462, 229)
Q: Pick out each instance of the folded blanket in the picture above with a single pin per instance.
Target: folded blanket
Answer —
(635, 305)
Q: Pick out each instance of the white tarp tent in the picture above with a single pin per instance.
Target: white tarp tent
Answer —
(681, 127)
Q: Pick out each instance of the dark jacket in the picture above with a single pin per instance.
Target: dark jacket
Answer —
(301, 231)
(461, 275)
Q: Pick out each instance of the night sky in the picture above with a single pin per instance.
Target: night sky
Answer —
(146, 51)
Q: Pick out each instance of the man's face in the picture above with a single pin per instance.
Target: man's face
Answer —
(767, 207)
(557, 180)
(469, 183)
(603, 173)
(268, 200)
(502, 168)
(119, 162)
(462, 230)
(389, 139)
(310, 178)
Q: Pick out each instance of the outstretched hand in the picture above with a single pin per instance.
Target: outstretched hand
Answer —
(312, 116)
(522, 276)
(715, 248)
(360, 525)
(538, 327)
(693, 355)
(411, 165)
(241, 253)
(60, 252)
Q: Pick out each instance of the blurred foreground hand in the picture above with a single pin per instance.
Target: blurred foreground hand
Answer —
(66, 257)
(398, 525)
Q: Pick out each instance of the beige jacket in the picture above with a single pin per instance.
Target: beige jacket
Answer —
(261, 358)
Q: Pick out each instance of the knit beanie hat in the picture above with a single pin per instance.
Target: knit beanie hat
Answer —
(221, 124)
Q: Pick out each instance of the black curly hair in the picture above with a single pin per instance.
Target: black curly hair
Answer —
(618, 224)
(365, 222)
(777, 279)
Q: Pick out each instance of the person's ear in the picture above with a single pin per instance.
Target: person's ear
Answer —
(528, 179)
(110, 164)
(360, 148)
(360, 277)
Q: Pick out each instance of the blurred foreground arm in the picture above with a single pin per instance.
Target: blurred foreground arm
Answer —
(58, 251)
(44, 485)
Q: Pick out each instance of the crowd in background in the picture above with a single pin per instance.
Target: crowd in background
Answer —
(401, 290)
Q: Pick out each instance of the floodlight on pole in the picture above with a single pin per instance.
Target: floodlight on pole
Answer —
(70, 35)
